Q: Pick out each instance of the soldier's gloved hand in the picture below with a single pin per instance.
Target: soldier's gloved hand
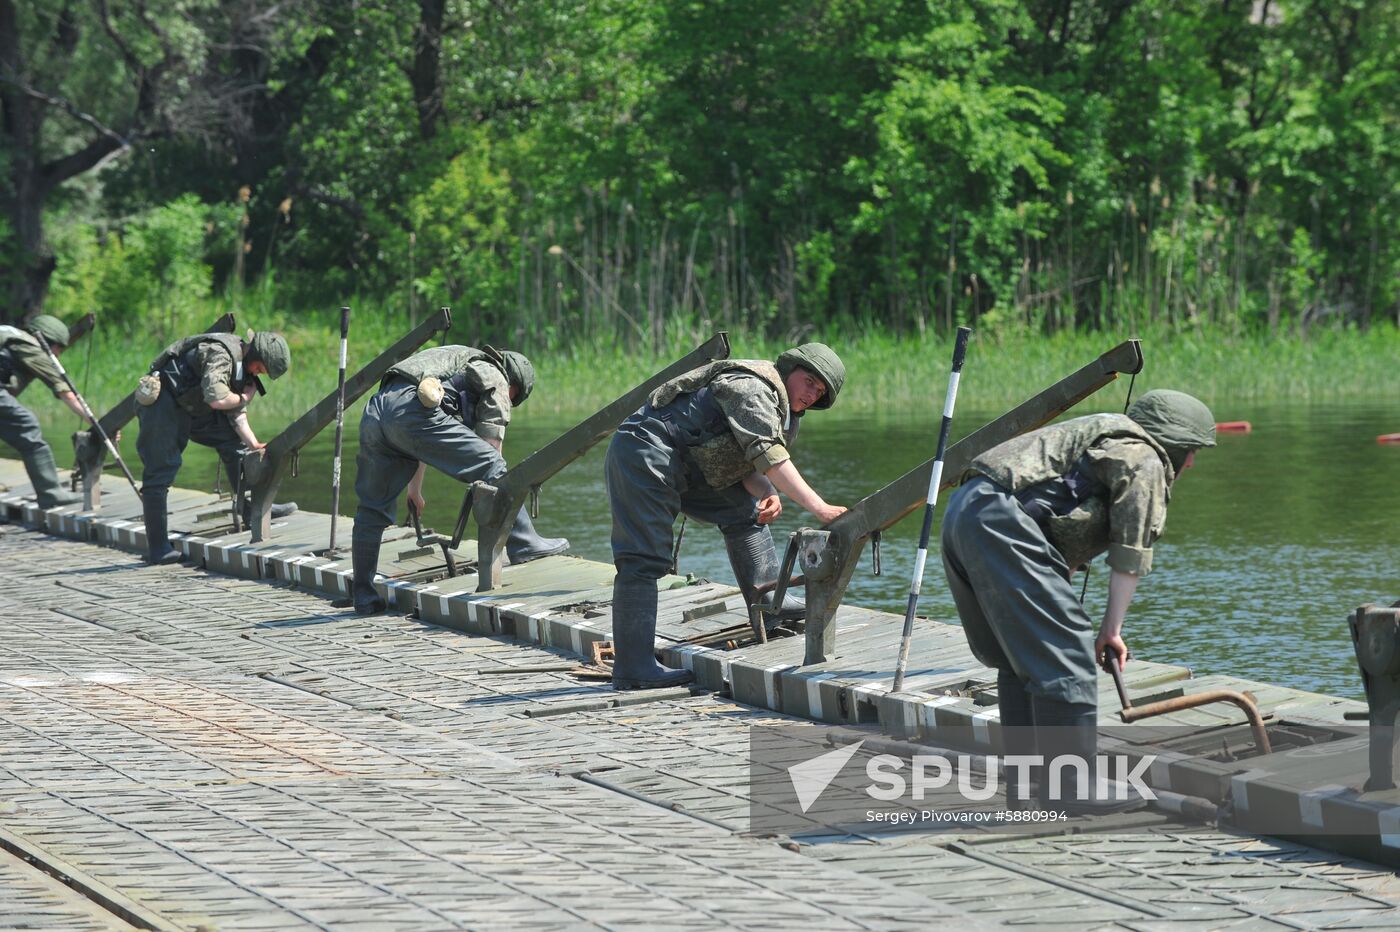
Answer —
(769, 508)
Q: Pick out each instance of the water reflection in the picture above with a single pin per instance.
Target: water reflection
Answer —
(1271, 540)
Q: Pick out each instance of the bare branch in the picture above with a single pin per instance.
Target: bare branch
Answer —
(68, 107)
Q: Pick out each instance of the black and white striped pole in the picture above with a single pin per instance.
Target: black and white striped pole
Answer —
(339, 423)
(935, 479)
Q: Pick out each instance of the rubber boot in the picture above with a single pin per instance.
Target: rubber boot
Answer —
(278, 511)
(1018, 739)
(754, 559)
(43, 475)
(525, 543)
(1071, 728)
(153, 511)
(634, 639)
(364, 558)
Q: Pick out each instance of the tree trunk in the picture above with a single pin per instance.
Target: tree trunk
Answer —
(27, 259)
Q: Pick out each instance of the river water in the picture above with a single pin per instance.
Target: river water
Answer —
(1271, 540)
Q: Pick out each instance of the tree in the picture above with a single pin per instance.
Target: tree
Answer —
(82, 83)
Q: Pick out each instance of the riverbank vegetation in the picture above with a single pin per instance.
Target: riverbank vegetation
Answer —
(887, 372)
(607, 175)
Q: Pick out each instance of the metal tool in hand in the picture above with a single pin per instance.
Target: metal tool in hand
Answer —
(339, 424)
(427, 538)
(1110, 663)
(87, 412)
(930, 503)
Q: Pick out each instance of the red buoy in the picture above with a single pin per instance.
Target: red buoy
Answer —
(1388, 438)
(1233, 427)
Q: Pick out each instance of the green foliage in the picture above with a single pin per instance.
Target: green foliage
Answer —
(611, 170)
(153, 264)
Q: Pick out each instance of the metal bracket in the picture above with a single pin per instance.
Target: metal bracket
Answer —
(1375, 634)
(495, 505)
(830, 556)
(262, 470)
(90, 453)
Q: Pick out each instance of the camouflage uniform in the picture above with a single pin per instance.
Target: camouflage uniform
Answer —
(1030, 511)
(22, 360)
(1037, 507)
(397, 432)
(195, 371)
(688, 451)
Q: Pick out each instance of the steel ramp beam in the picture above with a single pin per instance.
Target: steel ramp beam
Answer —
(90, 453)
(829, 556)
(263, 470)
(494, 505)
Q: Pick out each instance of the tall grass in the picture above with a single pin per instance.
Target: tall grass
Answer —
(885, 371)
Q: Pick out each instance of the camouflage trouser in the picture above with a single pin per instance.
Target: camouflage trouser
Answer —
(167, 428)
(1013, 594)
(396, 434)
(19, 427)
(649, 484)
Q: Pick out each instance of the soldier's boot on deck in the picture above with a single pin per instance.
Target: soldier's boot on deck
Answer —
(364, 558)
(1018, 740)
(1070, 729)
(278, 511)
(43, 475)
(634, 639)
(754, 560)
(525, 543)
(153, 511)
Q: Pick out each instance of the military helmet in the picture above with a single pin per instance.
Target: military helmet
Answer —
(271, 350)
(1178, 421)
(820, 360)
(53, 330)
(520, 373)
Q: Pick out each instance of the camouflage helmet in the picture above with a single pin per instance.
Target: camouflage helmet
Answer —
(271, 350)
(520, 373)
(821, 361)
(1179, 422)
(51, 328)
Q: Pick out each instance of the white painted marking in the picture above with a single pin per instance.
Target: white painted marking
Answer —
(1388, 821)
(1239, 787)
(814, 694)
(981, 729)
(770, 683)
(928, 712)
(1310, 803)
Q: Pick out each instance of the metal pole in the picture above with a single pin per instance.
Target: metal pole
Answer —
(339, 422)
(935, 479)
(87, 412)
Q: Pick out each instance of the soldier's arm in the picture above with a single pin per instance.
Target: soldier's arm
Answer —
(1121, 588)
(790, 482)
(493, 402)
(750, 407)
(770, 506)
(244, 430)
(38, 363)
(415, 487)
(216, 373)
(1137, 501)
